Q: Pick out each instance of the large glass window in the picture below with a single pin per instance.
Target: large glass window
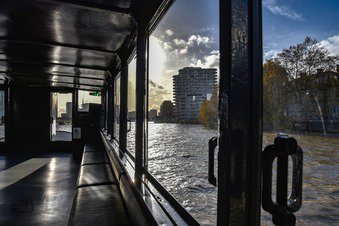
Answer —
(87, 97)
(183, 104)
(131, 94)
(116, 107)
(301, 97)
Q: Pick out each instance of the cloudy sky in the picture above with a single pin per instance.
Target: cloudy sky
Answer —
(188, 36)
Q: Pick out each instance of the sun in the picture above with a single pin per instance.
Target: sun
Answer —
(157, 60)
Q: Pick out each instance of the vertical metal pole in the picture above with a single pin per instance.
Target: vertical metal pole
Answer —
(146, 105)
(123, 107)
(240, 106)
(103, 110)
(106, 110)
(223, 205)
(140, 101)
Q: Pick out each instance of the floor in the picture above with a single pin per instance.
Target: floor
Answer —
(37, 190)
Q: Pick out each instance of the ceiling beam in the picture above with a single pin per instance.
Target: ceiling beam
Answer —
(57, 44)
(49, 81)
(46, 64)
(89, 6)
(50, 74)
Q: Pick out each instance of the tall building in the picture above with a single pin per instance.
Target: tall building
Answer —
(152, 114)
(166, 110)
(190, 87)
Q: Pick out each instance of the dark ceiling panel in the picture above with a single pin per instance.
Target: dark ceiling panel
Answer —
(62, 79)
(50, 81)
(64, 23)
(41, 70)
(114, 5)
(68, 43)
(19, 51)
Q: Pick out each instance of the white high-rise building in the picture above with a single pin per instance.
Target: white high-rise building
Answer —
(190, 87)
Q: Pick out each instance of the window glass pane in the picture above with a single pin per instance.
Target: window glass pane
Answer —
(301, 87)
(116, 107)
(61, 116)
(87, 97)
(183, 104)
(131, 106)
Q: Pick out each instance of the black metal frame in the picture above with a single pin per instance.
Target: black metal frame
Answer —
(140, 107)
(74, 107)
(240, 107)
(240, 110)
(123, 107)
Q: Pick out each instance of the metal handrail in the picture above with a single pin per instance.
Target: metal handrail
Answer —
(157, 185)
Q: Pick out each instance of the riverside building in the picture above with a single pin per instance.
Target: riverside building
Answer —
(190, 87)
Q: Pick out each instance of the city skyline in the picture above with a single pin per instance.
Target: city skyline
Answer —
(175, 45)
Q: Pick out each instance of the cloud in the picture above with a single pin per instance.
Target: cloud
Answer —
(167, 45)
(270, 54)
(183, 51)
(170, 71)
(193, 40)
(332, 45)
(169, 32)
(157, 94)
(152, 83)
(198, 40)
(209, 61)
(282, 10)
(179, 42)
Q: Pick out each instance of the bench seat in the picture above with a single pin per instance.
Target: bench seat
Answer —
(94, 158)
(96, 174)
(99, 205)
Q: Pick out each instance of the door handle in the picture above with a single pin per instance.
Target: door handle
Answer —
(212, 144)
(282, 210)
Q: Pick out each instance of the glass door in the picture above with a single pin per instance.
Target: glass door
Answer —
(61, 116)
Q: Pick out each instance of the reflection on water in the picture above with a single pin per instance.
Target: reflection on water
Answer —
(178, 159)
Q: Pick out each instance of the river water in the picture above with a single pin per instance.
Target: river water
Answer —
(178, 159)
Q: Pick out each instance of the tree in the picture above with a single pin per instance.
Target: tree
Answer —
(203, 113)
(208, 115)
(305, 58)
(275, 88)
(304, 64)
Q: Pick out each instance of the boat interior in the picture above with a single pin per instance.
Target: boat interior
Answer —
(75, 168)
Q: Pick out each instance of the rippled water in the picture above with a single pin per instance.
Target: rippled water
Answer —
(178, 159)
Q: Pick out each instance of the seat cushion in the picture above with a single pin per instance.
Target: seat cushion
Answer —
(92, 147)
(98, 205)
(95, 175)
(94, 158)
